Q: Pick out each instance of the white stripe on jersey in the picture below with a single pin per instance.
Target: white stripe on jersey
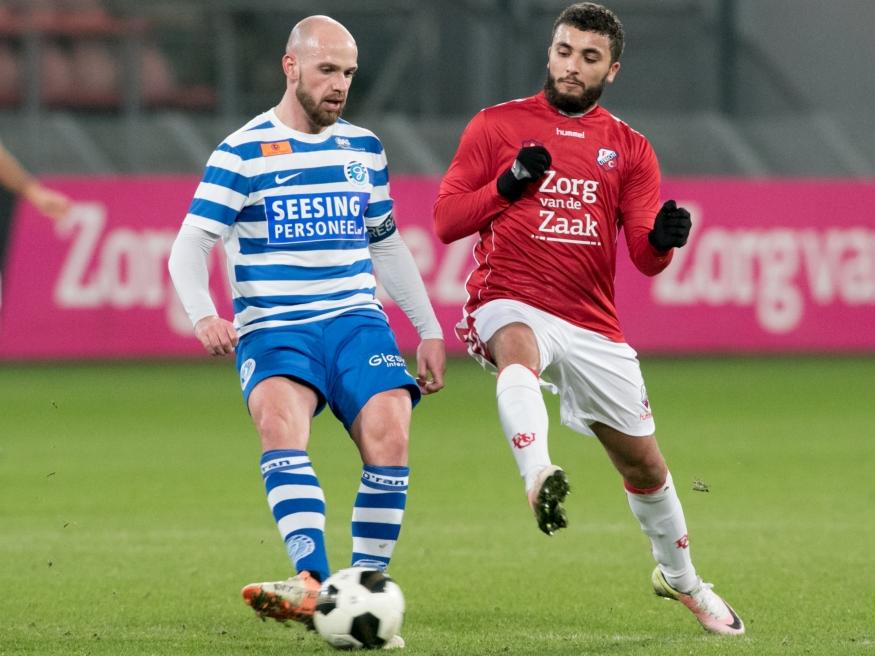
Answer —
(251, 314)
(282, 324)
(306, 287)
(319, 189)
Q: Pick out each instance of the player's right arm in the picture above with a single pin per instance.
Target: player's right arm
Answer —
(468, 198)
(218, 200)
(188, 265)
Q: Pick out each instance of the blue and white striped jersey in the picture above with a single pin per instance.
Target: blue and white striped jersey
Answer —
(294, 212)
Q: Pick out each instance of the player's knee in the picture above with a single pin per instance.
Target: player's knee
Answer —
(646, 474)
(278, 431)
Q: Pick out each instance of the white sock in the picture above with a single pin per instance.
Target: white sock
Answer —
(662, 519)
(523, 417)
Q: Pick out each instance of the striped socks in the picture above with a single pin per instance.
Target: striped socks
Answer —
(377, 514)
(298, 506)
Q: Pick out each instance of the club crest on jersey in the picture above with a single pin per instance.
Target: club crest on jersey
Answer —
(356, 173)
(607, 157)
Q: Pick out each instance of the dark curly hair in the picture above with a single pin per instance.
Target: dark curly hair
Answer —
(591, 17)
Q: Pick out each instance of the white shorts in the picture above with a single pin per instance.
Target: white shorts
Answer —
(597, 380)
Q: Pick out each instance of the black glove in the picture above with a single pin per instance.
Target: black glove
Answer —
(670, 228)
(530, 164)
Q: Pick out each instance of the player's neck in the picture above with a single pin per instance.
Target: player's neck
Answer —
(290, 113)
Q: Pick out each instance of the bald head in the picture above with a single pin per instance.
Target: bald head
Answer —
(320, 61)
(317, 32)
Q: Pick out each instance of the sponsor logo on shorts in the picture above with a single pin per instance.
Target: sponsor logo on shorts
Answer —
(522, 440)
(387, 359)
(300, 546)
(356, 173)
(648, 413)
(246, 371)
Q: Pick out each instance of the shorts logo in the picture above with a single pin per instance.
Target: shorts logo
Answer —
(522, 440)
(645, 402)
(356, 173)
(607, 157)
(300, 546)
(246, 371)
(387, 359)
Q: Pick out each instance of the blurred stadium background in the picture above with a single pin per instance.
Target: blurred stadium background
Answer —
(721, 87)
(129, 516)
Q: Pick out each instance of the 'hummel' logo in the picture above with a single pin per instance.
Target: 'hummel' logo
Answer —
(281, 180)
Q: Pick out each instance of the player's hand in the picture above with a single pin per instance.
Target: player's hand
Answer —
(671, 228)
(53, 204)
(217, 335)
(431, 363)
(530, 164)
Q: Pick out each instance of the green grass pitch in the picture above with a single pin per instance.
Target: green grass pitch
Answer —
(132, 511)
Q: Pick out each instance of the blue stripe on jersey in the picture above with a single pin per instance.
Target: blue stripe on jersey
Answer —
(301, 315)
(379, 208)
(379, 177)
(312, 176)
(289, 272)
(226, 178)
(251, 214)
(261, 126)
(376, 531)
(251, 246)
(215, 211)
(242, 303)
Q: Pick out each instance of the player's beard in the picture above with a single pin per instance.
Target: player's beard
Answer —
(569, 103)
(319, 117)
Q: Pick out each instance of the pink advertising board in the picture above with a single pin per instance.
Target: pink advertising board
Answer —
(772, 266)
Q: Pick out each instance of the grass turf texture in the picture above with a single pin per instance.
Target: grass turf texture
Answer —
(131, 513)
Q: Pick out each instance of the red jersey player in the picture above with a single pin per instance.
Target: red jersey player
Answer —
(548, 182)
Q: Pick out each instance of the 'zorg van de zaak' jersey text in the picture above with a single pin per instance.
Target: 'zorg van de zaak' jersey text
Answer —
(555, 247)
(296, 212)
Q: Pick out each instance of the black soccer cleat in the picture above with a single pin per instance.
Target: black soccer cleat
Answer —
(546, 498)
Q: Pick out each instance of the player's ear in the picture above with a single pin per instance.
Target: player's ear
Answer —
(290, 67)
(612, 72)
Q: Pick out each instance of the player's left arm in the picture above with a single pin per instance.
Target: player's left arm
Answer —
(15, 178)
(651, 233)
(397, 272)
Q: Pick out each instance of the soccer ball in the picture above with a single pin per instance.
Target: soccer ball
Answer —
(359, 608)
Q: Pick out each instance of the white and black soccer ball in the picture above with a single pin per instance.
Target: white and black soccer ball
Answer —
(359, 608)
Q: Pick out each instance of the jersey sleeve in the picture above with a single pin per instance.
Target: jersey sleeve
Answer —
(468, 197)
(639, 203)
(380, 205)
(221, 194)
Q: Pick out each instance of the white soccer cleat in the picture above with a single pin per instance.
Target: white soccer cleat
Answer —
(546, 497)
(292, 599)
(713, 613)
